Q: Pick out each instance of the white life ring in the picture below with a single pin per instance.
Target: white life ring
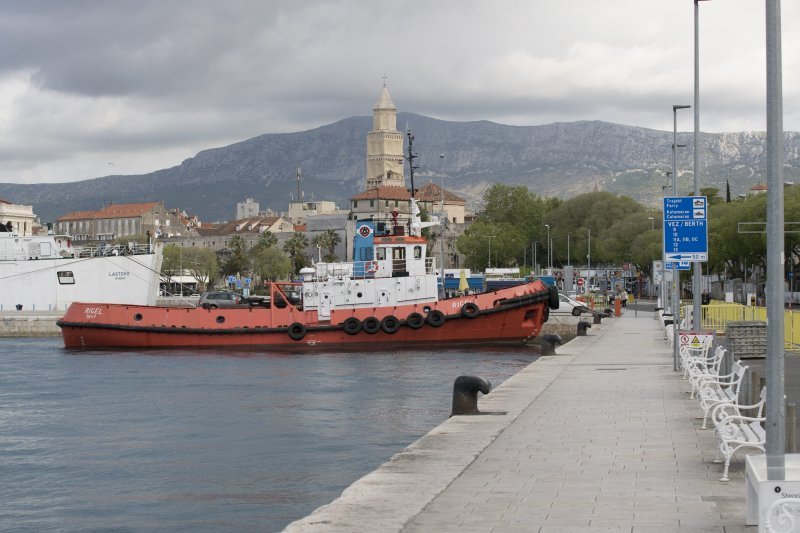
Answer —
(372, 267)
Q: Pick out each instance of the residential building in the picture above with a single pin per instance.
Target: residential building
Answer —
(300, 211)
(121, 220)
(18, 218)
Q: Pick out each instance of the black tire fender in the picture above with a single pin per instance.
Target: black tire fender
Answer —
(435, 318)
(390, 324)
(554, 300)
(296, 331)
(351, 326)
(371, 325)
(415, 321)
(469, 310)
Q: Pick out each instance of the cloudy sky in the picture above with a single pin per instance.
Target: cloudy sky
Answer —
(92, 88)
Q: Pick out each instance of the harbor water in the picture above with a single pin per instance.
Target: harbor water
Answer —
(209, 440)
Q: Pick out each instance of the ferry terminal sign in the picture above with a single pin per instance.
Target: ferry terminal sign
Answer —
(686, 228)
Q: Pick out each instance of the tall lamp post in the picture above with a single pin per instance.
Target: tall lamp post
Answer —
(534, 246)
(567, 249)
(676, 297)
(443, 222)
(697, 273)
(589, 259)
(548, 245)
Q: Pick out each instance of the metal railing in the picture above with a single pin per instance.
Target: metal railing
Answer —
(717, 314)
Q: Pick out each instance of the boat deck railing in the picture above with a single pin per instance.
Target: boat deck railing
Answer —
(116, 249)
(369, 269)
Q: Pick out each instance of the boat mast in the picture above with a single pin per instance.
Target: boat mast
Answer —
(410, 158)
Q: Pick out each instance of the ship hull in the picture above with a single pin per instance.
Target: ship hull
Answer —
(508, 316)
(54, 284)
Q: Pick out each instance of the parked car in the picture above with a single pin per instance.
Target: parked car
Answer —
(567, 305)
(214, 299)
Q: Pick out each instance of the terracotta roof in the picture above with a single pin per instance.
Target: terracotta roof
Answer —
(112, 211)
(759, 187)
(384, 192)
(4, 201)
(244, 225)
(430, 192)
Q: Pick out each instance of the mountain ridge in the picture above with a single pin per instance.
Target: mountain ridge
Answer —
(558, 159)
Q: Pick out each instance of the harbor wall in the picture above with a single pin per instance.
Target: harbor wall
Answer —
(22, 324)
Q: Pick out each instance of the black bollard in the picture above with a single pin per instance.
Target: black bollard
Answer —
(549, 343)
(582, 327)
(465, 394)
(607, 313)
(597, 318)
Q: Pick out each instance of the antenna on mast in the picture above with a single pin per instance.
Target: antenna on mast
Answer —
(299, 198)
(411, 157)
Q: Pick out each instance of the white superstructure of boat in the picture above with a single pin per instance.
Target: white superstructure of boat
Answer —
(49, 272)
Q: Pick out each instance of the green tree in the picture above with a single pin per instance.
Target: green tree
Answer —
(271, 264)
(503, 240)
(517, 207)
(236, 259)
(202, 265)
(170, 263)
(296, 247)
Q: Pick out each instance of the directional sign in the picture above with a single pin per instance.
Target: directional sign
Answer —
(685, 228)
(679, 265)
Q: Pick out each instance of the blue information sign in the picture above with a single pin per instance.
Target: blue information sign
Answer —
(679, 265)
(685, 228)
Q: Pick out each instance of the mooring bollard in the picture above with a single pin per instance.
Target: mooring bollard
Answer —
(465, 394)
(582, 327)
(549, 343)
(597, 318)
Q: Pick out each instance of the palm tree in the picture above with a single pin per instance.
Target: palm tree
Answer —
(327, 240)
(296, 246)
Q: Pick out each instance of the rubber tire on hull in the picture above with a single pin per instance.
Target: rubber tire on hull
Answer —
(351, 326)
(554, 300)
(469, 310)
(371, 325)
(435, 318)
(415, 321)
(390, 324)
(296, 331)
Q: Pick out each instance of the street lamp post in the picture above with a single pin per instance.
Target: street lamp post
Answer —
(589, 259)
(534, 246)
(567, 249)
(697, 273)
(548, 245)
(443, 223)
(676, 297)
(490, 249)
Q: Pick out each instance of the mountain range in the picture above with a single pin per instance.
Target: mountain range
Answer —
(560, 159)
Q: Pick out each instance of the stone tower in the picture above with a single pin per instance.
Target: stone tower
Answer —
(384, 145)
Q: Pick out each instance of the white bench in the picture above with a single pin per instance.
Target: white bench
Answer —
(698, 367)
(736, 431)
(714, 391)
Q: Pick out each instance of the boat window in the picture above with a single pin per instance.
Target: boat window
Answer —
(417, 252)
(398, 253)
(65, 277)
(380, 253)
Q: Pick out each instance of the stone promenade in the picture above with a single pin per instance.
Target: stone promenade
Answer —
(601, 437)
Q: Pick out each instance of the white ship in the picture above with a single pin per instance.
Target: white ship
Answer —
(48, 273)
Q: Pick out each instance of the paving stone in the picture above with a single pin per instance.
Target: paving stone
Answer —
(580, 449)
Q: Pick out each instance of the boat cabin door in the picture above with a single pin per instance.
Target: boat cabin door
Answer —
(325, 305)
(399, 267)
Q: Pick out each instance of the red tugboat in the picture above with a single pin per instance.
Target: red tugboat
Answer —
(387, 298)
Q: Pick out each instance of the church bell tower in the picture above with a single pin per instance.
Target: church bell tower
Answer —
(384, 145)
